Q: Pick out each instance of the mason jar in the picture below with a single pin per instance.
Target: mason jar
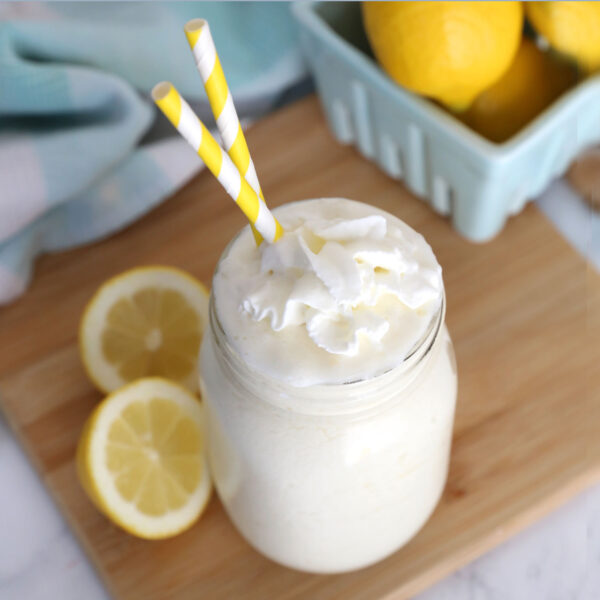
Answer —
(329, 478)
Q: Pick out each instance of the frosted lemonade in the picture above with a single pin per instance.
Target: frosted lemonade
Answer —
(327, 373)
(329, 382)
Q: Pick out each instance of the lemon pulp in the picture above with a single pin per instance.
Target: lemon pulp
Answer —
(145, 322)
(141, 458)
(154, 331)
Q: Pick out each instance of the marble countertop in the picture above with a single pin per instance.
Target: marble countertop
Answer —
(557, 558)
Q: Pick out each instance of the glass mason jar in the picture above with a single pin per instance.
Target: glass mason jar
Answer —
(329, 478)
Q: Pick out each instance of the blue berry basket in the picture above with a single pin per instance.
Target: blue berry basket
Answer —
(476, 183)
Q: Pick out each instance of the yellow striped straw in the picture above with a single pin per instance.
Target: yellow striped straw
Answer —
(178, 111)
(207, 60)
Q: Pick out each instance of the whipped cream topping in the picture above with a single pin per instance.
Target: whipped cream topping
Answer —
(345, 294)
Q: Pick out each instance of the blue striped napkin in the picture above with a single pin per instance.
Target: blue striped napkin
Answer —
(76, 159)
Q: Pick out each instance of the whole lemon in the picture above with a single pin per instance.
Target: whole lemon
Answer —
(449, 51)
(533, 81)
(572, 28)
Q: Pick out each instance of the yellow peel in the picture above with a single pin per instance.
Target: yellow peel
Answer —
(449, 51)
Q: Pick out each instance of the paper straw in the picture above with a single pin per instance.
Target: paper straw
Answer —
(207, 60)
(178, 111)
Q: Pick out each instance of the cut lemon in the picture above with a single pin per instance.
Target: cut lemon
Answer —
(144, 322)
(141, 459)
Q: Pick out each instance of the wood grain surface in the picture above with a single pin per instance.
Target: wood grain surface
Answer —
(521, 310)
(584, 175)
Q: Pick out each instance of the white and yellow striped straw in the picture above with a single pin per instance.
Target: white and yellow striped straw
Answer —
(178, 111)
(207, 60)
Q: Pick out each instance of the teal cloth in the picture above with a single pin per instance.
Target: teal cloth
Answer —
(75, 109)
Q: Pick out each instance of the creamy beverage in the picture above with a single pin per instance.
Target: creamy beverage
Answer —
(329, 383)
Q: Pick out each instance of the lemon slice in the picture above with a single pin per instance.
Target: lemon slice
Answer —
(144, 322)
(141, 459)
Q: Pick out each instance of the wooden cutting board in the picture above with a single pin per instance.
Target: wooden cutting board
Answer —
(519, 311)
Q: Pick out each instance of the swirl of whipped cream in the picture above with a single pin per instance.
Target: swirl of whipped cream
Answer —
(346, 293)
(326, 276)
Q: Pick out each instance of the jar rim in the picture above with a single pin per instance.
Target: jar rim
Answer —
(241, 369)
(349, 397)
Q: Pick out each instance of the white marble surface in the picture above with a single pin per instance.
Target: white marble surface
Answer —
(557, 558)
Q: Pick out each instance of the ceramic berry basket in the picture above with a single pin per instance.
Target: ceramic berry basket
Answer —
(476, 183)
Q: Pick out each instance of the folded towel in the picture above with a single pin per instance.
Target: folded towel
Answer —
(76, 160)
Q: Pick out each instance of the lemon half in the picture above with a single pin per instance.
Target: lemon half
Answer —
(147, 321)
(141, 460)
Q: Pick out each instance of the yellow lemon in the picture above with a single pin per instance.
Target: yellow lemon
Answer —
(533, 81)
(449, 51)
(147, 321)
(140, 458)
(572, 28)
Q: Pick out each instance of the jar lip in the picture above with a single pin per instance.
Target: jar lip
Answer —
(241, 370)
(329, 399)
(430, 336)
